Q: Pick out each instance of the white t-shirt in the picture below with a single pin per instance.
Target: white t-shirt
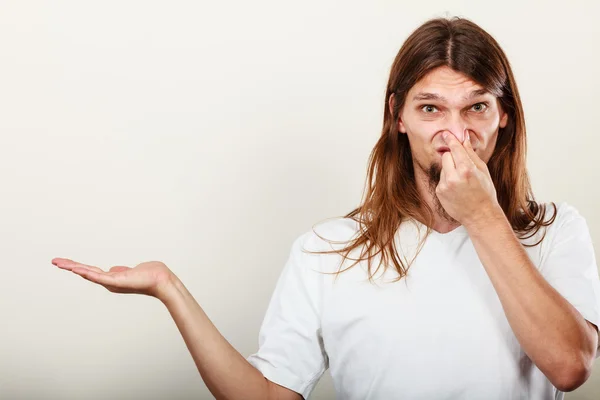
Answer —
(439, 333)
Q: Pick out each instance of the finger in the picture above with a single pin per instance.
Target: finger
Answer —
(65, 263)
(442, 181)
(448, 167)
(101, 278)
(459, 154)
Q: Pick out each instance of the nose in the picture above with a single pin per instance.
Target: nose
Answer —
(458, 128)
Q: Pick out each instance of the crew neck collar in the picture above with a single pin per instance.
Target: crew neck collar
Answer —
(458, 231)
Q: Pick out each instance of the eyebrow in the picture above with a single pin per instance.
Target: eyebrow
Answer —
(435, 96)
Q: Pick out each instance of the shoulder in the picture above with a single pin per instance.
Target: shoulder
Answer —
(558, 214)
(567, 216)
(329, 234)
(559, 219)
(568, 225)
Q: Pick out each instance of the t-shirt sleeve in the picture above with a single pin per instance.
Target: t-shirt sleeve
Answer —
(291, 351)
(570, 264)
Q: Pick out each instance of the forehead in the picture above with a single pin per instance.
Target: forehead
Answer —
(447, 83)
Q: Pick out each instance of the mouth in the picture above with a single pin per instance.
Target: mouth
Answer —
(442, 150)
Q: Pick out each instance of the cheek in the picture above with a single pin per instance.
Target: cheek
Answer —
(485, 132)
(485, 141)
(486, 125)
(421, 131)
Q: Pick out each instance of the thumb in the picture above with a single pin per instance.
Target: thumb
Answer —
(467, 141)
(469, 148)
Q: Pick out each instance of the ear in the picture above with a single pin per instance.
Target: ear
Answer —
(503, 119)
(401, 128)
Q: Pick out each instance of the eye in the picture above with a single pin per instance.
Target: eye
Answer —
(428, 107)
(480, 107)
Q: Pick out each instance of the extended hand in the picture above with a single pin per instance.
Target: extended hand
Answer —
(148, 278)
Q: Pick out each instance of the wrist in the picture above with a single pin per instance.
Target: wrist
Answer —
(486, 217)
(167, 290)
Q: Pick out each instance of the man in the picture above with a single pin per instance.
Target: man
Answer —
(491, 295)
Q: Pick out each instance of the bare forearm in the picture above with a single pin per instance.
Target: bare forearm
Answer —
(226, 373)
(550, 330)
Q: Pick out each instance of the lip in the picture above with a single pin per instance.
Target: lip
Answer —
(443, 150)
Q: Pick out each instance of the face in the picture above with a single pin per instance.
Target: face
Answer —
(446, 100)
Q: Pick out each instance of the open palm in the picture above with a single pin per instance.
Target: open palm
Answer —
(146, 278)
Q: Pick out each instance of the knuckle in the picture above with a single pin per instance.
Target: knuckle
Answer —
(465, 171)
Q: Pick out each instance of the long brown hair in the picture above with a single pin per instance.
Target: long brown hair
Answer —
(390, 195)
